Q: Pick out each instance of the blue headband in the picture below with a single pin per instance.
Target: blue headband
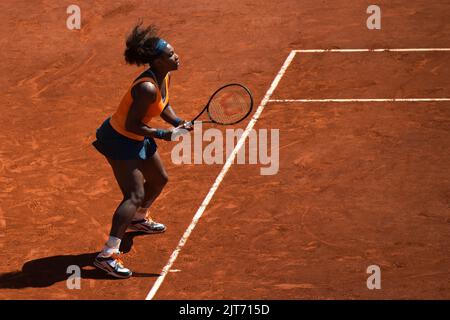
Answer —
(160, 46)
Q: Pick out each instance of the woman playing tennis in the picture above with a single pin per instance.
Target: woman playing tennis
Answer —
(126, 139)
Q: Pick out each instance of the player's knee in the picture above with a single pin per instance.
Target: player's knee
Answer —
(157, 183)
(137, 197)
(164, 179)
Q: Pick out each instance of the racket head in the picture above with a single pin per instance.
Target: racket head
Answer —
(230, 104)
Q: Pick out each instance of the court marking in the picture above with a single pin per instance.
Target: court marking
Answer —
(359, 100)
(373, 50)
(240, 143)
(219, 178)
(366, 99)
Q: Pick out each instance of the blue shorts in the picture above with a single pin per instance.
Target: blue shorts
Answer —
(115, 146)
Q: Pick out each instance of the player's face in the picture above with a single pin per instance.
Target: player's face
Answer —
(170, 59)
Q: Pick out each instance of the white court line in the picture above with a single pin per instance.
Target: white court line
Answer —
(373, 50)
(220, 177)
(366, 100)
(359, 100)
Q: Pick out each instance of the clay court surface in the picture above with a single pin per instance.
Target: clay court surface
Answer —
(359, 183)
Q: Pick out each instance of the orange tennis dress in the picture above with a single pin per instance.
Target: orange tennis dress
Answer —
(119, 118)
(114, 141)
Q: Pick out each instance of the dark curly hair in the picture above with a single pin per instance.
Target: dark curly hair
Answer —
(141, 43)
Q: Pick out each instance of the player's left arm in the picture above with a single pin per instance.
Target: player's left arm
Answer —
(169, 115)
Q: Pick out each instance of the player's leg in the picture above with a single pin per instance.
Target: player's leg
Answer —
(155, 180)
(131, 181)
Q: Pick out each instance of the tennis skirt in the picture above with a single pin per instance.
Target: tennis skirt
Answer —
(116, 146)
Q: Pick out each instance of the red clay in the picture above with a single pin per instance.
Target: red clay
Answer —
(359, 184)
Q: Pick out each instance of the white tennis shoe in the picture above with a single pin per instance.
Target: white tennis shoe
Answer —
(113, 266)
(147, 226)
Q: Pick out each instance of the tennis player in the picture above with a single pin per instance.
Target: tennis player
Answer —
(127, 140)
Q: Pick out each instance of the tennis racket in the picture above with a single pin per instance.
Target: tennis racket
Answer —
(229, 105)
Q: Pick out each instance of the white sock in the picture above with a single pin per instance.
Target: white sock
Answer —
(111, 246)
(140, 214)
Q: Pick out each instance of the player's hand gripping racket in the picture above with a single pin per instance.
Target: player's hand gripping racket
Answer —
(229, 105)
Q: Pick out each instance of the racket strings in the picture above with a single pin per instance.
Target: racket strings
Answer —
(230, 105)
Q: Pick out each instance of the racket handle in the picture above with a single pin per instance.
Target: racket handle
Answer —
(179, 131)
(184, 125)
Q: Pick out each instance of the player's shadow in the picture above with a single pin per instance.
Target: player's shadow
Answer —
(127, 241)
(44, 272)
